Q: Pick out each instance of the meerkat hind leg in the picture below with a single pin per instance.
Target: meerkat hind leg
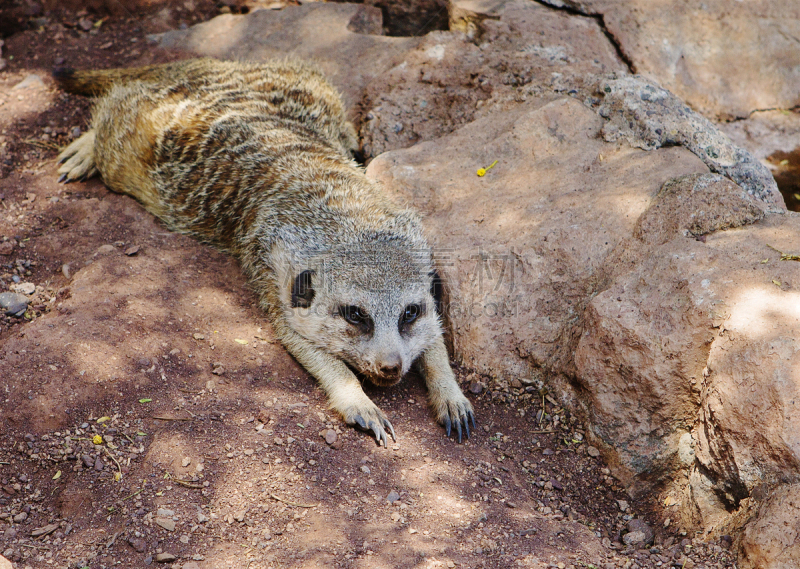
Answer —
(452, 408)
(77, 159)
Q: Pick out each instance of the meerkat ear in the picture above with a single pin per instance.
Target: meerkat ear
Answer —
(302, 290)
(437, 290)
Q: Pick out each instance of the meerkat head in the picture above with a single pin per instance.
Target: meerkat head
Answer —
(376, 307)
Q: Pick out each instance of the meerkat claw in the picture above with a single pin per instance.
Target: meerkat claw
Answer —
(62, 178)
(461, 425)
(380, 434)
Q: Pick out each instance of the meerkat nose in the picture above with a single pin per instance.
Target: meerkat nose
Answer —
(391, 366)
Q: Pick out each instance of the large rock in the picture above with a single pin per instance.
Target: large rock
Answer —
(712, 54)
(646, 338)
(343, 39)
(765, 133)
(525, 247)
(658, 359)
(645, 289)
(749, 433)
(772, 538)
(502, 53)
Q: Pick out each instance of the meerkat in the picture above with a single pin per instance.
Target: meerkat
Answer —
(256, 159)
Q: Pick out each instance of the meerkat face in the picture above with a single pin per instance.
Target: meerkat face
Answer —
(378, 313)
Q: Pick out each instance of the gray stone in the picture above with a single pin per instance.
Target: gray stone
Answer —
(164, 558)
(649, 117)
(13, 304)
(392, 497)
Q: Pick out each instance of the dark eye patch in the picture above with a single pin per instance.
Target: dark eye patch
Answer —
(358, 317)
(302, 290)
(437, 290)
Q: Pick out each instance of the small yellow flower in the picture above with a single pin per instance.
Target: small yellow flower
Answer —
(98, 440)
(482, 171)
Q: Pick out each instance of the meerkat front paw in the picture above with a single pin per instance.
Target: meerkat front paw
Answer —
(455, 410)
(369, 417)
(77, 159)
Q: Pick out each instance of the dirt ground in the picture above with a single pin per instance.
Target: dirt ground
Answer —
(148, 416)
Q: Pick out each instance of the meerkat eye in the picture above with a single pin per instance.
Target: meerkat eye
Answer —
(410, 314)
(357, 316)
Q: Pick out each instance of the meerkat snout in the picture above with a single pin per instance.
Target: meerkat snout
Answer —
(391, 366)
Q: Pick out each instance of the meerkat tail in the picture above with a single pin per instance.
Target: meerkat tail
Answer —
(98, 82)
(87, 82)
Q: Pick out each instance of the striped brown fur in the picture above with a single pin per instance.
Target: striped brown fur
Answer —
(256, 160)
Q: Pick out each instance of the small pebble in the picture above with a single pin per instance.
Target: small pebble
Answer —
(138, 544)
(330, 436)
(25, 288)
(166, 523)
(31, 81)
